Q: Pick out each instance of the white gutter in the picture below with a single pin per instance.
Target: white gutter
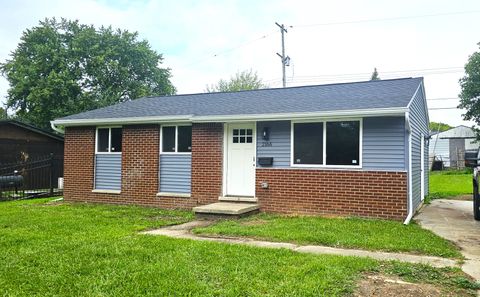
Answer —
(55, 128)
(410, 190)
(234, 118)
(124, 121)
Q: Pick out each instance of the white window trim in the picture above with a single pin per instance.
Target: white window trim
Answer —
(324, 165)
(109, 140)
(176, 152)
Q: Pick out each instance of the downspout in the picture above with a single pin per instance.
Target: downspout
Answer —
(55, 128)
(410, 193)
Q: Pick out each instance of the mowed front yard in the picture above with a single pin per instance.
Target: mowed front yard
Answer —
(368, 234)
(61, 249)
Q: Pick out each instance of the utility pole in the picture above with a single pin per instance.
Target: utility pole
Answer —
(285, 59)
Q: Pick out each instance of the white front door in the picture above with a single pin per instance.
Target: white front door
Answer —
(240, 179)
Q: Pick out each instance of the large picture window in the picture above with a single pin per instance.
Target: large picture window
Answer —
(328, 143)
(176, 139)
(109, 140)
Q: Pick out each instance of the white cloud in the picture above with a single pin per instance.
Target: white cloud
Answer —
(190, 33)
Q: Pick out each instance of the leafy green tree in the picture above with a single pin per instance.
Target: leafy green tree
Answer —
(375, 75)
(64, 67)
(244, 80)
(470, 89)
(438, 126)
(3, 113)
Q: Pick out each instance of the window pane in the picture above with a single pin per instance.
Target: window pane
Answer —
(102, 141)
(308, 143)
(343, 143)
(116, 140)
(184, 139)
(168, 139)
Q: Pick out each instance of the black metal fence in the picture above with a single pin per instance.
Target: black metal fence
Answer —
(32, 179)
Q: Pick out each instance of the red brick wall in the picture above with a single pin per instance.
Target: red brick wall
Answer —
(207, 162)
(339, 192)
(140, 163)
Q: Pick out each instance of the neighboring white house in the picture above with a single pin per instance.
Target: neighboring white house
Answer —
(450, 146)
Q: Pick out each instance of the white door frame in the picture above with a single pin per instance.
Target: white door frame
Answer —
(422, 166)
(225, 153)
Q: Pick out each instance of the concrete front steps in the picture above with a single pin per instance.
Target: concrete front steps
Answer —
(226, 210)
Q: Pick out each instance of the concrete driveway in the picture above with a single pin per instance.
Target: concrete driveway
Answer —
(453, 220)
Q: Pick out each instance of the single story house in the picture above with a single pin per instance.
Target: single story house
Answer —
(355, 149)
(449, 146)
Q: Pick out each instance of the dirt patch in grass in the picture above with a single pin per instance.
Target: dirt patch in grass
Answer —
(462, 197)
(393, 286)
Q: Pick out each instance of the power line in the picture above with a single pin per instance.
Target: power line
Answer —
(387, 19)
(447, 98)
(442, 108)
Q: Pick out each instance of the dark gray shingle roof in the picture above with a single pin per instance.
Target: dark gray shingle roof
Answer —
(394, 93)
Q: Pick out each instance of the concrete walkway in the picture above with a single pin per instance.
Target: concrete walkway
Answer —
(453, 220)
(183, 231)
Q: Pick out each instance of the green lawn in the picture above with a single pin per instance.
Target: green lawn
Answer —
(445, 184)
(60, 249)
(338, 232)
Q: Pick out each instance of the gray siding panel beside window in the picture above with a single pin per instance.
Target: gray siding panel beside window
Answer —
(419, 126)
(280, 143)
(384, 143)
(175, 173)
(108, 171)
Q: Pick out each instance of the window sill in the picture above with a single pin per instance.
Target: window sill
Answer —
(167, 194)
(326, 166)
(106, 191)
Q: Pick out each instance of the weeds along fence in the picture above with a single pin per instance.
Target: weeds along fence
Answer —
(32, 179)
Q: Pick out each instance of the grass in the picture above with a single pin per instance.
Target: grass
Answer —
(60, 249)
(444, 184)
(366, 234)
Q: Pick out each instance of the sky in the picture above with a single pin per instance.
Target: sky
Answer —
(327, 41)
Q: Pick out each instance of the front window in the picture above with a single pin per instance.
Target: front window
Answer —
(330, 143)
(343, 143)
(109, 140)
(176, 139)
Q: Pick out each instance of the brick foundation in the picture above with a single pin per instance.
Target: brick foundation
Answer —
(311, 191)
(299, 191)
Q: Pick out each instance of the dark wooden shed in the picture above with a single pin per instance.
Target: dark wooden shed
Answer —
(21, 142)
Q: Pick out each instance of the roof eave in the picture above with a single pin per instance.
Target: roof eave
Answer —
(396, 111)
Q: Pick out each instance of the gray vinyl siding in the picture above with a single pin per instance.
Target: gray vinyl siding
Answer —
(418, 126)
(175, 173)
(384, 143)
(280, 143)
(108, 171)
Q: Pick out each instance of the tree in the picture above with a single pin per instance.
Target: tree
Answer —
(438, 126)
(244, 80)
(470, 89)
(375, 75)
(63, 67)
(3, 113)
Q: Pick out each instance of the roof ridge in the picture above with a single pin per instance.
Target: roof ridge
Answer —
(285, 88)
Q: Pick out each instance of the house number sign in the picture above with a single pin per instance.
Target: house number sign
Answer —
(266, 144)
